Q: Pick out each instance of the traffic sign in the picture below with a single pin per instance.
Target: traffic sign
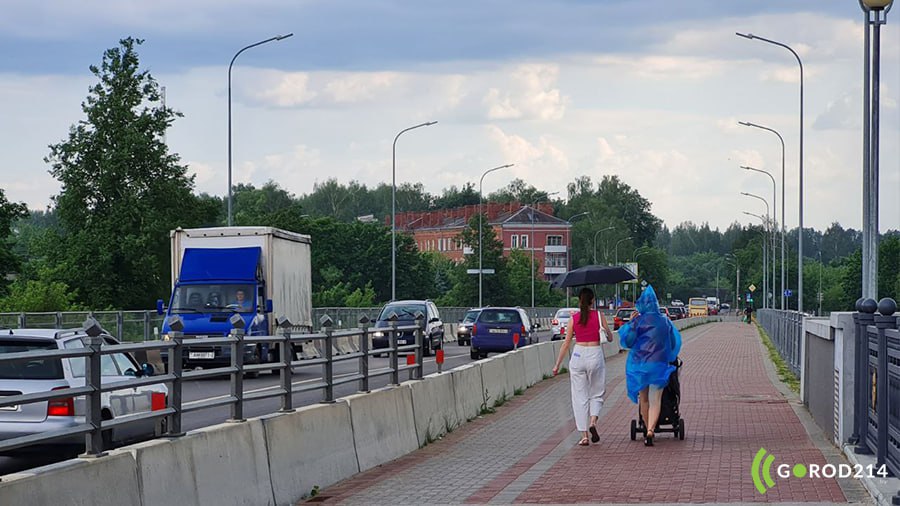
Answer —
(788, 293)
(752, 288)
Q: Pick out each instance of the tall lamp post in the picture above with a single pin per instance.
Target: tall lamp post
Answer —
(569, 248)
(750, 36)
(876, 15)
(772, 231)
(595, 242)
(480, 232)
(764, 262)
(768, 226)
(737, 281)
(783, 249)
(394, 206)
(230, 65)
(617, 263)
(634, 259)
(531, 244)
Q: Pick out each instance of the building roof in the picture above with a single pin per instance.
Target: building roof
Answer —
(526, 214)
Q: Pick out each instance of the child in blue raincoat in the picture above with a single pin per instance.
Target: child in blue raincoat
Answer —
(653, 344)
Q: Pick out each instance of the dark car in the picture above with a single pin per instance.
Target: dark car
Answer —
(464, 330)
(500, 329)
(406, 311)
(676, 312)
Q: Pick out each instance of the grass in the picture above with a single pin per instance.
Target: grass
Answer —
(784, 372)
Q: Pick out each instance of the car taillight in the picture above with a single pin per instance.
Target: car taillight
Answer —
(64, 406)
(474, 329)
(523, 330)
(555, 322)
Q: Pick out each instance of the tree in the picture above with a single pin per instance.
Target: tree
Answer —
(122, 191)
(10, 212)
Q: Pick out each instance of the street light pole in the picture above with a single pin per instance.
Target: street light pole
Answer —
(595, 242)
(480, 233)
(394, 206)
(764, 262)
(617, 263)
(230, 65)
(800, 202)
(569, 248)
(531, 244)
(769, 231)
(780, 138)
(775, 228)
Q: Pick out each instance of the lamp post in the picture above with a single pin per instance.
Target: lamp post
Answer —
(394, 206)
(480, 232)
(595, 242)
(617, 263)
(737, 282)
(766, 222)
(569, 248)
(876, 15)
(750, 36)
(764, 263)
(634, 258)
(780, 138)
(772, 231)
(819, 295)
(275, 38)
(531, 243)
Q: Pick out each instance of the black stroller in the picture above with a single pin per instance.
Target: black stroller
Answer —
(669, 414)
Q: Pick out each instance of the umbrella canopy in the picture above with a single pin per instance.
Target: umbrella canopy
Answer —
(593, 275)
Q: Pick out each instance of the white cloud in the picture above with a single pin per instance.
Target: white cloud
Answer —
(532, 95)
(360, 87)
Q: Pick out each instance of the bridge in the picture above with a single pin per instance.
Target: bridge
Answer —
(452, 430)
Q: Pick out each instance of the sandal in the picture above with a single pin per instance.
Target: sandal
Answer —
(595, 437)
(583, 442)
(648, 439)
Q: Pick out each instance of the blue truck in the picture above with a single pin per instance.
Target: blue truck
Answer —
(259, 273)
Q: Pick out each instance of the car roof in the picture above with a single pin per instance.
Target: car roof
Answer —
(44, 334)
(410, 301)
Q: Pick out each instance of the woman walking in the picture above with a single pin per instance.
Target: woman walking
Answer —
(587, 367)
(653, 344)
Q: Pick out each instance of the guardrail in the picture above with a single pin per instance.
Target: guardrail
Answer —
(93, 424)
(784, 328)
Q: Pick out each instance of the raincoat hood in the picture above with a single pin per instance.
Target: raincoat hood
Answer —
(647, 303)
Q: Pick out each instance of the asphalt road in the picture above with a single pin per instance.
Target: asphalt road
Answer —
(214, 388)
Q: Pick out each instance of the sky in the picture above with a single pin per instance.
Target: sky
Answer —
(649, 91)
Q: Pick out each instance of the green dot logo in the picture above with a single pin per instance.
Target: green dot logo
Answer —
(799, 470)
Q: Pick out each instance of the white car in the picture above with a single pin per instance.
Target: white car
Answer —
(560, 321)
(38, 375)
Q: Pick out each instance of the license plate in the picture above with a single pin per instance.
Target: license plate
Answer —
(497, 331)
(201, 354)
(401, 341)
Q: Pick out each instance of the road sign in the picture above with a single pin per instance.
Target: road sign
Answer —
(788, 293)
(643, 282)
(752, 288)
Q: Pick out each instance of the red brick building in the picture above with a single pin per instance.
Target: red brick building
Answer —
(519, 227)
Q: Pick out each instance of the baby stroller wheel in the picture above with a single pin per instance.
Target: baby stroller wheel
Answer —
(634, 430)
(681, 429)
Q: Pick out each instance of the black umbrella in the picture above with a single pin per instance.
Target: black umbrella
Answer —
(593, 275)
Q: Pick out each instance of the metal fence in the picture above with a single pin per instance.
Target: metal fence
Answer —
(784, 328)
(876, 427)
(93, 424)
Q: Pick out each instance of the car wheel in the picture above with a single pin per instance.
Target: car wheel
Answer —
(474, 354)
(427, 348)
(460, 341)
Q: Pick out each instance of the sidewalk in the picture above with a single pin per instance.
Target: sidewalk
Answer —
(526, 452)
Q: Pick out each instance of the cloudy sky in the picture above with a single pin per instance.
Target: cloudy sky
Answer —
(650, 91)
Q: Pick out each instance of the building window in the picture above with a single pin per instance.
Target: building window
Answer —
(554, 260)
(514, 241)
(554, 240)
(523, 240)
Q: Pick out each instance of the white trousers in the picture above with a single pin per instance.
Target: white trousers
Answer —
(587, 370)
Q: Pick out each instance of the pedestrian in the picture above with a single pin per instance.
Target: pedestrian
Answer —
(587, 367)
(748, 314)
(653, 343)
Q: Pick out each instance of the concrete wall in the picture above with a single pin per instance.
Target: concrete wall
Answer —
(819, 383)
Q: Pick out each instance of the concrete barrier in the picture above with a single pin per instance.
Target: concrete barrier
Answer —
(165, 470)
(493, 375)
(111, 480)
(547, 357)
(312, 446)
(515, 370)
(468, 388)
(434, 406)
(532, 361)
(383, 425)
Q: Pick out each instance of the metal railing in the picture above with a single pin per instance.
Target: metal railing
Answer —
(92, 425)
(876, 427)
(784, 329)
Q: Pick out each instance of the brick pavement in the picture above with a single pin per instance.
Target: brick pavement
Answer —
(526, 453)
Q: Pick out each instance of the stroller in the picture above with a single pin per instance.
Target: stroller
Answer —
(668, 413)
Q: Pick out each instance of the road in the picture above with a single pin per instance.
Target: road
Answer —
(454, 356)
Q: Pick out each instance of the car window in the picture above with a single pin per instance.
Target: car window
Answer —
(404, 311)
(471, 316)
(563, 313)
(123, 363)
(624, 313)
(500, 316)
(434, 311)
(32, 369)
(107, 363)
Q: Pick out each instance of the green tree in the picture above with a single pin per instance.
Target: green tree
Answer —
(122, 191)
(10, 212)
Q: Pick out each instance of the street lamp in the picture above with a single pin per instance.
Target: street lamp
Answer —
(569, 248)
(737, 281)
(774, 213)
(634, 257)
(480, 231)
(595, 242)
(876, 15)
(277, 37)
(767, 224)
(617, 263)
(531, 244)
(750, 36)
(764, 273)
(394, 206)
(783, 249)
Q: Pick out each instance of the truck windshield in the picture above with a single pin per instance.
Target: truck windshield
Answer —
(206, 298)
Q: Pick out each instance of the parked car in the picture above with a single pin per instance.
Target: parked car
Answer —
(725, 306)
(497, 328)
(677, 312)
(665, 311)
(560, 321)
(622, 316)
(39, 375)
(464, 330)
(406, 311)
(677, 303)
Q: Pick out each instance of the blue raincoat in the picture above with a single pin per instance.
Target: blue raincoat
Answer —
(653, 342)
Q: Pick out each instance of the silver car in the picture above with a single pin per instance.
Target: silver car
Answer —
(42, 375)
(560, 321)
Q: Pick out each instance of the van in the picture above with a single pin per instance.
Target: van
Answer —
(697, 306)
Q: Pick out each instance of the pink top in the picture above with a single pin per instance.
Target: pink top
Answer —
(589, 333)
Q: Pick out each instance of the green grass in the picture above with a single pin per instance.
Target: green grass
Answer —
(784, 372)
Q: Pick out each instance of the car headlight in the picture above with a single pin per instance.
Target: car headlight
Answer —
(378, 334)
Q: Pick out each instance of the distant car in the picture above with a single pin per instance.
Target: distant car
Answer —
(676, 312)
(38, 375)
(677, 303)
(560, 322)
(464, 330)
(498, 328)
(622, 316)
(725, 306)
(663, 310)
(406, 311)
(712, 309)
